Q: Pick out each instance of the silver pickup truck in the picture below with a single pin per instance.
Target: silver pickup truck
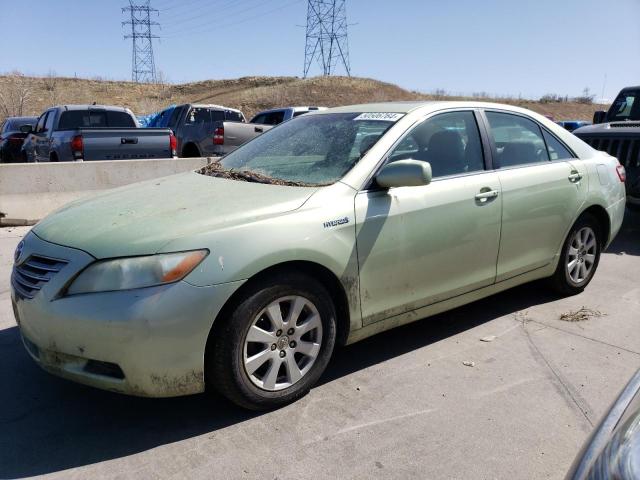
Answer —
(94, 132)
(204, 130)
(199, 128)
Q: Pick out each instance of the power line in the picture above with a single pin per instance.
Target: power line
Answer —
(219, 26)
(326, 40)
(217, 13)
(143, 67)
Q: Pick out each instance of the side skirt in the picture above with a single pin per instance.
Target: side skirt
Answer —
(450, 304)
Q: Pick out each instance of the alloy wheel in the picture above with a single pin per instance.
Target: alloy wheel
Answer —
(581, 256)
(282, 343)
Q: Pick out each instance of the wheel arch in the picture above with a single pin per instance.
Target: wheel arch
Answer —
(191, 147)
(316, 271)
(600, 214)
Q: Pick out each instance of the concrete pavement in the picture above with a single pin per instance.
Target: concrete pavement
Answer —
(398, 405)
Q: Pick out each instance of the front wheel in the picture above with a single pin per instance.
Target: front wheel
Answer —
(580, 257)
(275, 344)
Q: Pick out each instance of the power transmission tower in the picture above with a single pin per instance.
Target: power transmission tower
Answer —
(327, 40)
(143, 67)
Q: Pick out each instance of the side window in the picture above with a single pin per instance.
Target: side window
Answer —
(259, 119)
(557, 151)
(48, 125)
(274, 118)
(40, 124)
(518, 140)
(198, 116)
(450, 142)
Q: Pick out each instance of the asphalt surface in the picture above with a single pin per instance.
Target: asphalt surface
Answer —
(398, 405)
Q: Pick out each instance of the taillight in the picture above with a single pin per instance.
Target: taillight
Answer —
(218, 136)
(77, 147)
(173, 144)
(622, 173)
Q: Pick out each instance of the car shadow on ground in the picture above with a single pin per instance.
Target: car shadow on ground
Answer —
(49, 425)
(628, 240)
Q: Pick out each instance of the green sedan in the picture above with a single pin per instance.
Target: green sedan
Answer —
(243, 277)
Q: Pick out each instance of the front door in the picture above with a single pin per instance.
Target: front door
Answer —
(420, 245)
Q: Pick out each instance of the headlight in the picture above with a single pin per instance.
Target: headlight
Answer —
(136, 272)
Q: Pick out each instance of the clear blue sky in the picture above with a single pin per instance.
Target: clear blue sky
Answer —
(527, 47)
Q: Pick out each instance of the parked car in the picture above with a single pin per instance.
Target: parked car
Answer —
(12, 136)
(278, 115)
(617, 132)
(330, 228)
(571, 125)
(202, 130)
(72, 133)
(613, 450)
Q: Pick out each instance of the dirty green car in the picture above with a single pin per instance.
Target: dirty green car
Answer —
(243, 277)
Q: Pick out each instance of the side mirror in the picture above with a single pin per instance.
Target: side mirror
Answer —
(599, 116)
(404, 173)
(26, 128)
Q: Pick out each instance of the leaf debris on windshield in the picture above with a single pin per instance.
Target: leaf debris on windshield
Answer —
(214, 169)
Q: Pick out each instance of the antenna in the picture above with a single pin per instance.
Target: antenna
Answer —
(326, 39)
(143, 67)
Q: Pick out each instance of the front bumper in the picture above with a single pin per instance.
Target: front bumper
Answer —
(146, 342)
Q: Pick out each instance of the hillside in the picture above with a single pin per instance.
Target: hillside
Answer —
(32, 95)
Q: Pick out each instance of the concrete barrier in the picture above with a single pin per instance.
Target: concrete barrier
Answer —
(30, 191)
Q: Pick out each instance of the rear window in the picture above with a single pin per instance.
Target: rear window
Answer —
(120, 120)
(234, 116)
(94, 118)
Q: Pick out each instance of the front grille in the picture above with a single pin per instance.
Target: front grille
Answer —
(626, 150)
(29, 277)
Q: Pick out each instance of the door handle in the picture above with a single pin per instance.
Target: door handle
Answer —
(258, 130)
(575, 177)
(483, 197)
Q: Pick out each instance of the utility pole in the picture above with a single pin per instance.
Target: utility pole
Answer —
(326, 39)
(143, 67)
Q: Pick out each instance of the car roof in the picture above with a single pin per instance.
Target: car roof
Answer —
(211, 105)
(92, 107)
(406, 107)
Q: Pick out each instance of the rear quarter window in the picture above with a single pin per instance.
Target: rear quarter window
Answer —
(233, 116)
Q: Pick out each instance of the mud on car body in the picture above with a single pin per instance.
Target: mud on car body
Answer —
(331, 227)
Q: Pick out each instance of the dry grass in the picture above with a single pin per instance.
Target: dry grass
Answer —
(249, 94)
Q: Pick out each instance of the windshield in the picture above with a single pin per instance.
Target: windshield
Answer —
(625, 107)
(309, 150)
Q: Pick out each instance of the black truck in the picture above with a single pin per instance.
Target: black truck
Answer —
(617, 132)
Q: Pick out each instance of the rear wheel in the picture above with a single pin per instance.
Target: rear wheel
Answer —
(580, 257)
(275, 344)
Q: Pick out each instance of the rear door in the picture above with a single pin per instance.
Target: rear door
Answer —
(542, 192)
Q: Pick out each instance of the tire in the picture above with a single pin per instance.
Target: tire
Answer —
(243, 370)
(190, 151)
(580, 257)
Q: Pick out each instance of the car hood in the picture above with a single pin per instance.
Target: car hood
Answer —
(139, 219)
(606, 128)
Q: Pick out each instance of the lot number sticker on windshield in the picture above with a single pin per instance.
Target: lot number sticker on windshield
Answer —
(386, 117)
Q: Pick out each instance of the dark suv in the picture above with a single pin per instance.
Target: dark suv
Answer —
(617, 132)
(12, 135)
